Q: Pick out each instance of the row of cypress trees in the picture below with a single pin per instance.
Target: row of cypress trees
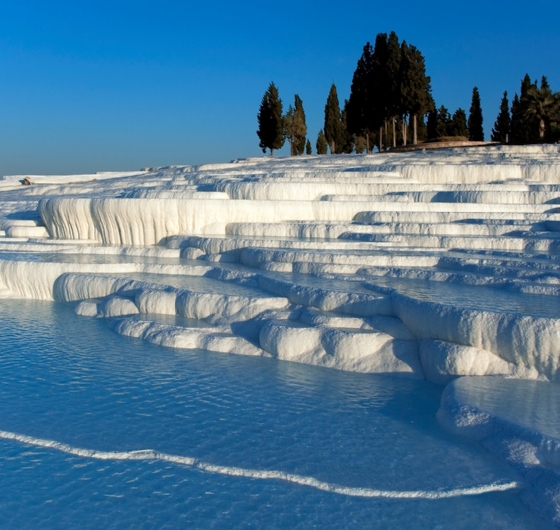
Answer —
(275, 128)
(390, 91)
(534, 115)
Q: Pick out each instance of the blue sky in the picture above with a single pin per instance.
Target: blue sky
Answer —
(98, 86)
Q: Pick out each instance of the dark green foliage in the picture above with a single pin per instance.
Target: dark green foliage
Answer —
(415, 88)
(295, 128)
(380, 82)
(271, 128)
(545, 87)
(476, 132)
(501, 130)
(302, 131)
(422, 130)
(459, 124)
(542, 108)
(347, 145)
(308, 148)
(321, 144)
(516, 124)
(432, 125)
(333, 125)
(360, 142)
(523, 129)
(444, 123)
(360, 105)
(389, 85)
(394, 101)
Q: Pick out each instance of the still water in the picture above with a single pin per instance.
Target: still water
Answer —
(72, 380)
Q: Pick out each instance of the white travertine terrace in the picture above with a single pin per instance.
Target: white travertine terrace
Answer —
(430, 265)
(359, 231)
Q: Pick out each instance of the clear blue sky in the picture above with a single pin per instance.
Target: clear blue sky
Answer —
(97, 85)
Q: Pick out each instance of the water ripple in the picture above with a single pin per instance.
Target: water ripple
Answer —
(150, 454)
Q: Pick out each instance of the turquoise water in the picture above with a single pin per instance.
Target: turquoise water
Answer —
(74, 381)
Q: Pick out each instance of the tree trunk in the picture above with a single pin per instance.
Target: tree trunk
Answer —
(367, 143)
(415, 135)
(542, 128)
(271, 152)
(394, 133)
(404, 130)
(386, 132)
(380, 137)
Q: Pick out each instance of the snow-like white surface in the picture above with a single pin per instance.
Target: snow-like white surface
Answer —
(348, 218)
(429, 265)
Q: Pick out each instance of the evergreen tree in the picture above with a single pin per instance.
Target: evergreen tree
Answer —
(459, 124)
(422, 130)
(360, 109)
(333, 125)
(415, 88)
(347, 145)
(432, 125)
(501, 130)
(321, 144)
(545, 87)
(288, 123)
(295, 127)
(516, 124)
(360, 142)
(380, 87)
(308, 148)
(302, 130)
(524, 130)
(271, 127)
(394, 107)
(476, 132)
(444, 123)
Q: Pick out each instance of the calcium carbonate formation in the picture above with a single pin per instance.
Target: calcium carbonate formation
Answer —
(428, 265)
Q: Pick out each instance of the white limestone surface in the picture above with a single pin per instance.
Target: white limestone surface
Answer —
(341, 218)
(323, 260)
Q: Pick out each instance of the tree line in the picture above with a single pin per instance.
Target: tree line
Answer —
(391, 104)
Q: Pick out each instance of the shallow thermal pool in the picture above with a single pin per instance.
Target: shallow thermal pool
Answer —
(486, 298)
(73, 381)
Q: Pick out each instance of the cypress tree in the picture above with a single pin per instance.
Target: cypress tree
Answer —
(302, 125)
(360, 104)
(333, 124)
(360, 142)
(415, 87)
(501, 130)
(295, 127)
(321, 144)
(516, 124)
(380, 86)
(271, 124)
(524, 130)
(421, 130)
(288, 123)
(347, 144)
(476, 132)
(308, 148)
(432, 125)
(459, 124)
(444, 123)
(393, 105)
